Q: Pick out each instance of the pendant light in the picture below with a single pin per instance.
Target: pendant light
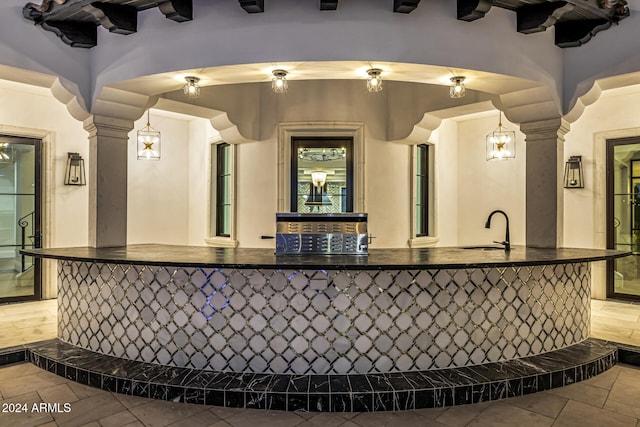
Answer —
(148, 142)
(501, 143)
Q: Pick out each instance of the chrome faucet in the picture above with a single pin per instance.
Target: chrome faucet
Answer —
(506, 243)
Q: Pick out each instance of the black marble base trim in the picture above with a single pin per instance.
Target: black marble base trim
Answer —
(322, 393)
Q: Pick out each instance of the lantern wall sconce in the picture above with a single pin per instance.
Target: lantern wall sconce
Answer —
(457, 89)
(74, 174)
(573, 176)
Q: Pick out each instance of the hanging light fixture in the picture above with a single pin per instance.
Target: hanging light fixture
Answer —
(6, 153)
(148, 142)
(318, 178)
(374, 81)
(501, 143)
(279, 82)
(573, 177)
(457, 89)
(191, 87)
(74, 174)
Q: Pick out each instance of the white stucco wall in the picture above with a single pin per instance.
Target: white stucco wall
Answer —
(158, 191)
(614, 115)
(32, 111)
(445, 143)
(484, 186)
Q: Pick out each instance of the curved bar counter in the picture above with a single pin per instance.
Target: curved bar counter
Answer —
(250, 311)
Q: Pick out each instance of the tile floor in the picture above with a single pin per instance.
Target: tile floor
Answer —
(610, 399)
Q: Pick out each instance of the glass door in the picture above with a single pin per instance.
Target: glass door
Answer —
(20, 277)
(623, 216)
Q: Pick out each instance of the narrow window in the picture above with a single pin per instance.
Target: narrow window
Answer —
(422, 190)
(223, 190)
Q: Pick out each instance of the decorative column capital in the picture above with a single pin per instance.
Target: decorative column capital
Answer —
(555, 128)
(98, 125)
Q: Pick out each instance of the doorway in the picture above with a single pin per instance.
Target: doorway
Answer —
(623, 216)
(20, 218)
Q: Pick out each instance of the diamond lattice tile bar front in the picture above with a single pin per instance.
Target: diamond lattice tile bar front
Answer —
(322, 321)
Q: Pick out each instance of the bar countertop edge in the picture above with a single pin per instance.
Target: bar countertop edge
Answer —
(378, 259)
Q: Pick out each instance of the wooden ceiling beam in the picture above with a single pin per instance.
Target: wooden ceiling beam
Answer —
(328, 4)
(405, 6)
(116, 18)
(177, 10)
(577, 33)
(536, 18)
(470, 10)
(75, 34)
(252, 6)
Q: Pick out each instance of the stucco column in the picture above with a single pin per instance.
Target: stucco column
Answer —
(108, 139)
(544, 174)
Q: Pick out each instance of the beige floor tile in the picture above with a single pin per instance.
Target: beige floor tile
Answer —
(630, 377)
(137, 424)
(58, 394)
(204, 418)
(547, 404)
(129, 401)
(606, 379)
(431, 413)
(89, 410)
(118, 420)
(625, 393)
(582, 392)
(622, 408)
(18, 370)
(326, 419)
(160, 413)
(27, 419)
(222, 423)
(393, 419)
(461, 415)
(254, 417)
(503, 414)
(223, 413)
(31, 382)
(583, 415)
(83, 391)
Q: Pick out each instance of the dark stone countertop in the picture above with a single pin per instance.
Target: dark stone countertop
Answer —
(378, 259)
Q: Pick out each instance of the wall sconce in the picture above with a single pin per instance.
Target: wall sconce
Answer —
(573, 177)
(191, 87)
(501, 143)
(74, 175)
(457, 89)
(6, 153)
(148, 142)
(374, 81)
(279, 83)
